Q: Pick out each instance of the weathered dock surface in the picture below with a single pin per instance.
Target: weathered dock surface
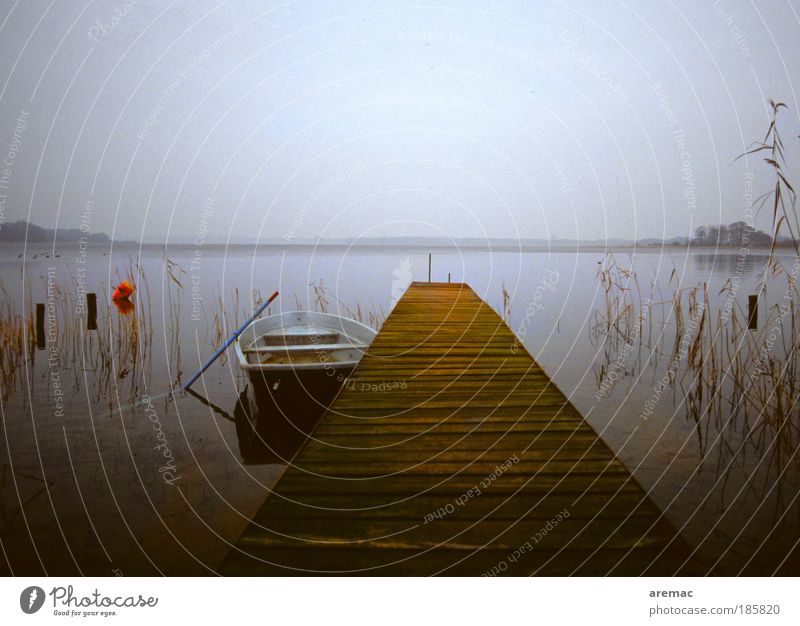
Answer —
(451, 452)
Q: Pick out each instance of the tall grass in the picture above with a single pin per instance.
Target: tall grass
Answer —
(739, 387)
(374, 316)
(116, 360)
(17, 337)
(782, 194)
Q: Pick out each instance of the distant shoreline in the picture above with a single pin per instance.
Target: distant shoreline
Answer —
(21, 233)
(415, 247)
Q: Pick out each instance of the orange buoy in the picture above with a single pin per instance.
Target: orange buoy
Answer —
(123, 291)
(124, 306)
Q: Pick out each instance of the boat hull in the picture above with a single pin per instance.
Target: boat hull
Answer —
(296, 363)
(279, 412)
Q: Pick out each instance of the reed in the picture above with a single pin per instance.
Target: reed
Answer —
(739, 387)
(374, 317)
(17, 337)
(782, 194)
(320, 296)
(116, 361)
(622, 329)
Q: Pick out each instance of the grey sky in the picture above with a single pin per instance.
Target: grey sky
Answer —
(345, 119)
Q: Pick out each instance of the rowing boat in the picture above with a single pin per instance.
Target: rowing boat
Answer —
(298, 360)
(302, 341)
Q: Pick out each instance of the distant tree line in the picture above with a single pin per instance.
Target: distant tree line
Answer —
(23, 231)
(735, 235)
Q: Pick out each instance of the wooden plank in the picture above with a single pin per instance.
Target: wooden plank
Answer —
(446, 450)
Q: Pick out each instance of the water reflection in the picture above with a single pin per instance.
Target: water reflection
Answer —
(219, 411)
(738, 388)
(265, 435)
(728, 264)
(733, 460)
(123, 306)
(275, 415)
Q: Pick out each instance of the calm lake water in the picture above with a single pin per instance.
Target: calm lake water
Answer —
(102, 473)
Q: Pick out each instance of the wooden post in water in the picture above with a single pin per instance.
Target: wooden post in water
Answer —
(752, 312)
(429, 266)
(448, 277)
(91, 311)
(40, 341)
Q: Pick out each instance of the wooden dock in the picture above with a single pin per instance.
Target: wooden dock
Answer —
(451, 452)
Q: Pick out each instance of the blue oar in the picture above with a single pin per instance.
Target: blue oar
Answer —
(231, 339)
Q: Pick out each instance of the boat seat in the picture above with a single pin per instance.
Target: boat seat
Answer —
(320, 347)
(295, 339)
